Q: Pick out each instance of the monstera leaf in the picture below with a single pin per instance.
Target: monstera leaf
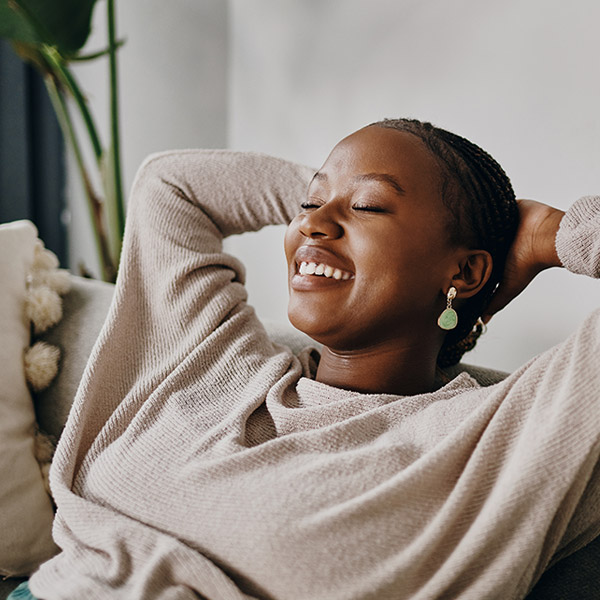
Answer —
(62, 24)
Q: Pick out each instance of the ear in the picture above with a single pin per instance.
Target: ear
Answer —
(475, 268)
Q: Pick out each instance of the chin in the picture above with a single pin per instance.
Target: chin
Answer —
(310, 325)
(302, 324)
(333, 336)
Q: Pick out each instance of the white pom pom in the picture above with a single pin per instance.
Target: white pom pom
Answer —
(43, 450)
(43, 258)
(41, 365)
(43, 447)
(58, 280)
(43, 307)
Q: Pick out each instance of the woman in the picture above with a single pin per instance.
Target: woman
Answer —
(202, 460)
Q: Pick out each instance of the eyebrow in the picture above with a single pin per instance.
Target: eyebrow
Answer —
(382, 177)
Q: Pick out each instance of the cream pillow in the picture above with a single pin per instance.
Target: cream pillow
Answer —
(26, 512)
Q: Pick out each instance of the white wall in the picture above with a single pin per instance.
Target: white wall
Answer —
(518, 77)
(173, 89)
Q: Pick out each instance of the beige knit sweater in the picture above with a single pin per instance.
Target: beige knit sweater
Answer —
(201, 460)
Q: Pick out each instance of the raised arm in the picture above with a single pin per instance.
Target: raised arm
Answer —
(182, 205)
(237, 191)
(548, 237)
(177, 290)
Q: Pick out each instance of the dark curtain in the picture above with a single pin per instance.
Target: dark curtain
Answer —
(32, 170)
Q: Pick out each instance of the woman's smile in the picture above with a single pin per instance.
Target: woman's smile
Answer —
(316, 268)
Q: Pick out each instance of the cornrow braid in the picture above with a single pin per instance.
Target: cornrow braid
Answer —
(484, 213)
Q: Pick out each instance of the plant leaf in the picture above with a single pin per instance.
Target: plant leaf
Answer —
(14, 26)
(64, 24)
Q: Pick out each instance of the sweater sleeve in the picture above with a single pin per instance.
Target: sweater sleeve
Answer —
(178, 294)
(578, 237)
(174, 275)
(176, 283)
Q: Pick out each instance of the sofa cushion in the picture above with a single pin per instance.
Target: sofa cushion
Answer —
(25, 508)
(84, 310)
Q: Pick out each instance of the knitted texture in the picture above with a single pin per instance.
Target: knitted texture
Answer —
(202, 460)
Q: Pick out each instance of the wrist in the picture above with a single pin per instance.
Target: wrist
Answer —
(546, 239)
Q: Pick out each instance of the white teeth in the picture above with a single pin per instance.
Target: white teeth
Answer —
(312, 268)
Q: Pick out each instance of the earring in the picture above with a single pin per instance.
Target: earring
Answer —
(481, 325)
(449, 319)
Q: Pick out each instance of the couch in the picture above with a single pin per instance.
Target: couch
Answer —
(84, 310)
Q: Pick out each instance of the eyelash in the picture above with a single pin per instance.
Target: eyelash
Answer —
(364, 208)
(307, 205)
(375, 209)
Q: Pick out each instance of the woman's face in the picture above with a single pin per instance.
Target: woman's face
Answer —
(369, 256)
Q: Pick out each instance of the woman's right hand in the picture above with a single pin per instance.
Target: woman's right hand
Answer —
(532, 251)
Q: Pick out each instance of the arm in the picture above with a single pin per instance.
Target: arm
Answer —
(176, 289)
(175, 282)
(548, 237)
(553, 400)
(182, 206)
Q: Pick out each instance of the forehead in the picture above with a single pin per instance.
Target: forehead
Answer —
(388, 151)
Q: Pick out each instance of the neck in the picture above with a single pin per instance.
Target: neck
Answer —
(385, 369)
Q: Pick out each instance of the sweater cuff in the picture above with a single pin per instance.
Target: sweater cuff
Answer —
(578, 237)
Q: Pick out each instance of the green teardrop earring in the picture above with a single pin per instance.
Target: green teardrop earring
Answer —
(449, 319)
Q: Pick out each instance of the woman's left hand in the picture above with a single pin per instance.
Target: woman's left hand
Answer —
(532, 251)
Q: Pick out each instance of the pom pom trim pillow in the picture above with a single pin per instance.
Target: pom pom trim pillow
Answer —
(26, 511)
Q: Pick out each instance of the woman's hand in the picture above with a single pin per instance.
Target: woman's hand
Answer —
(532, 251)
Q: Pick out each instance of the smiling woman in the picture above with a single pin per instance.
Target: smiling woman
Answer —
(389, 209)
(203, 460)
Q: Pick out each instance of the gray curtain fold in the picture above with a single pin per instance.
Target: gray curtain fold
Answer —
(32, 169)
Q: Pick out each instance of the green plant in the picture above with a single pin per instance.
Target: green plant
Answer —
(50, 35)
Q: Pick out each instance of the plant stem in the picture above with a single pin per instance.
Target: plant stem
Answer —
(94, 55)
(68, 80)
(114, 120)
(94, 204)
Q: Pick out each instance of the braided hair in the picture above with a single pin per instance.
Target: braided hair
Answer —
(484, 214)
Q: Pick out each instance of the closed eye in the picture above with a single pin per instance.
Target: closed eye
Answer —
(367, 208)
(306, 205)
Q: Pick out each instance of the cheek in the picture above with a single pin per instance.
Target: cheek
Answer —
(291, 241)
(400, 270)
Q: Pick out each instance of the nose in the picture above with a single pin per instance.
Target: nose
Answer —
(321, 223)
